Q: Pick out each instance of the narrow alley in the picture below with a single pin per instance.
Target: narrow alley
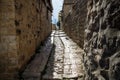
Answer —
(64, 63)
(59, 39)
(66, 59)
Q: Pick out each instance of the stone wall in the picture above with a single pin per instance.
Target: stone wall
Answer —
(8, 40)
(53, 26)
(102, 40)
(74, 23)
(99, 21)
(67, 6)
(24, 25)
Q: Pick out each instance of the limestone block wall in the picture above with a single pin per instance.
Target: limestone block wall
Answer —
(67, 6)
(66, 9)
(33, 25)
(8, 40)
(102, 40)
(26, 22)
(75, 21)
(24, 25)
(46, 25)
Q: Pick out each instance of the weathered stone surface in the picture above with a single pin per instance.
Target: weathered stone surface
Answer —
(99, 20)
(102, 38)
(74, 21)
(8, 44)
(54, 68)
(21, 32)
(65, 62)
(73, 60)
(36, 67)
(67, 5)
(25, 24)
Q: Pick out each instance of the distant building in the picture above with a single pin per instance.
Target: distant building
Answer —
(67, 5)
(53, 26)
(60, 19)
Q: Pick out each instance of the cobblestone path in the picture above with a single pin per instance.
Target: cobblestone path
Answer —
(65, 62)
(58, 59)
(55, 64)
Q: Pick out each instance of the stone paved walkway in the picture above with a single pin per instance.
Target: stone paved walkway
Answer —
(54, 68)
(59, 59)
(73, 61)
(65, 62)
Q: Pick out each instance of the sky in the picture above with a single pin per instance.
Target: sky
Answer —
(57, 6)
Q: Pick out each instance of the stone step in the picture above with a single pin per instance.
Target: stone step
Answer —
(37, 65)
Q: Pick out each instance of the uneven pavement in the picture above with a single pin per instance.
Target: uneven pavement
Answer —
(55, 64)
(63, 60)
